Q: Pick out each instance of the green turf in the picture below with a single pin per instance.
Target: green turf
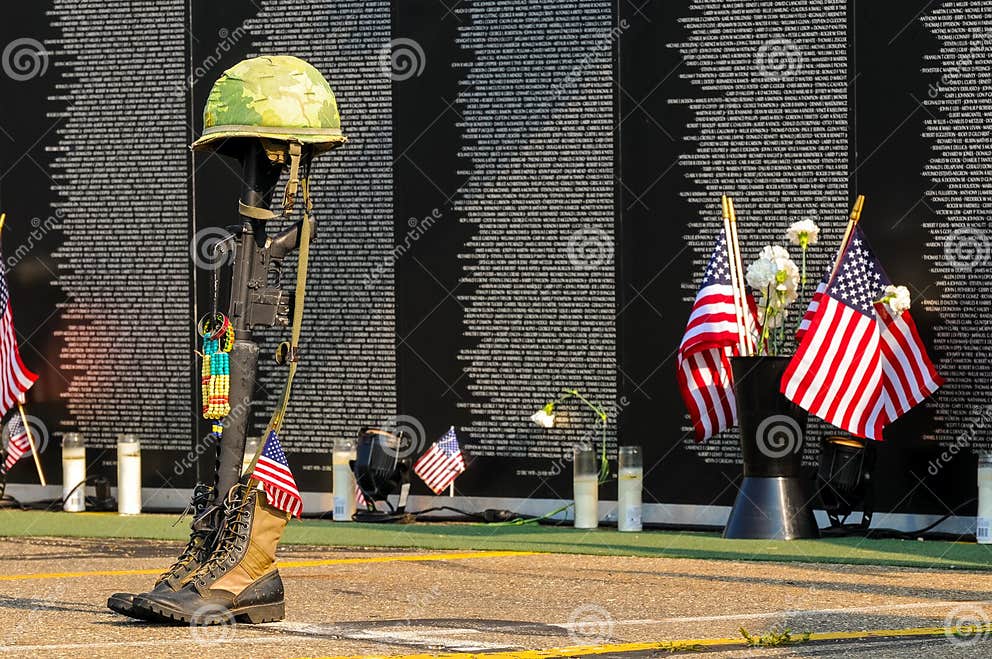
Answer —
(528, 538)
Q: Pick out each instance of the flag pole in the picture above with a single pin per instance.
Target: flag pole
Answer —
(731, 262)
(749, 348)
(852, 222)
(34, 450)
(20, 409)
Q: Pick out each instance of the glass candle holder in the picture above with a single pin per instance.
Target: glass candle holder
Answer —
(73, 473)
(630, 483)
(128, 475)
(345, 450)
(585, 487)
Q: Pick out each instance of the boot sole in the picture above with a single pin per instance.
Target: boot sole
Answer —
(127, 608)
(253, 615)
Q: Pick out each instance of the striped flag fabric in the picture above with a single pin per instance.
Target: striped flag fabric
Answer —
(272, 471)
(710, 339)
(15, 378)
(441, 464)
(17, 442)
(359, 496)
(813, 306)
(859, 367)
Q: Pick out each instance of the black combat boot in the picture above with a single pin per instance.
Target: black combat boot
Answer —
(239, 582)
(203, 533)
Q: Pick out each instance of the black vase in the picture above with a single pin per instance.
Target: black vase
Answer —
(773, 501)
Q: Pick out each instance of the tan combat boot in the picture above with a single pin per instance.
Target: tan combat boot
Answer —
(203, 534)
(240, 580)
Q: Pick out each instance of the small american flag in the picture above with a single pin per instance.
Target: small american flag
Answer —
(858, 367)
(272, 471)
(15, 378)
(359, 496)
(441, 464)
(17, 442)
(710, 339)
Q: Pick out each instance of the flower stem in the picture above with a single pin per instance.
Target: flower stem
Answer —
(764, 326)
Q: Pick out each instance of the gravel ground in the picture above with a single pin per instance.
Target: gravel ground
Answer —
(385, 604)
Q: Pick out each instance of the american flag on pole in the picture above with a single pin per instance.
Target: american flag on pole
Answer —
(441, 464)
(17, 442)
(710, 339)
(15, 378)
(272, 471)
(858, 367)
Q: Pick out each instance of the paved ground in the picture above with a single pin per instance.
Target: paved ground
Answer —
(385, 603)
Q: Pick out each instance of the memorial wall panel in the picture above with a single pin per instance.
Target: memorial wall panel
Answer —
(526, 202)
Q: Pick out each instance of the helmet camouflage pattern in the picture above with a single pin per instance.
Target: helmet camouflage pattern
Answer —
(276, 97)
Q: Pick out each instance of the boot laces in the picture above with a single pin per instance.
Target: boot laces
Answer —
(237, 523)
(200, 501)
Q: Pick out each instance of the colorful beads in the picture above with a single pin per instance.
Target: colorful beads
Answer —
(215, 374)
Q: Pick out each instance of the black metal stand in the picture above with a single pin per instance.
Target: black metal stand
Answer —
(773, 502)
(253, 302)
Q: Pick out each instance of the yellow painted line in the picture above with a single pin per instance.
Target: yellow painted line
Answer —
(412, 558)
(680, 645)
(455, 556)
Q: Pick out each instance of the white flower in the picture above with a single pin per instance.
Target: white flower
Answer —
(803, 233)
(543, 418)
(896, 299)
(774, 269)
(774, 253)
(761, 274)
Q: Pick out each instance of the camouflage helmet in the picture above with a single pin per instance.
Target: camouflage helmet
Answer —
(276, 97)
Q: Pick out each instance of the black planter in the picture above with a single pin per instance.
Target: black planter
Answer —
(773, 501)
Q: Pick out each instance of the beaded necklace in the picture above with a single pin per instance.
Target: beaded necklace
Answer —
(215, 374)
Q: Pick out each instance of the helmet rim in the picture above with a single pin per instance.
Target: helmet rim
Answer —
(328, 138)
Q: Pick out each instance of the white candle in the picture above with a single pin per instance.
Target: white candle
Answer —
(343, 481)
(983, 534)
(128, 475)
(629, 515)
(586, 493)
(630, 479)
(73, 473)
